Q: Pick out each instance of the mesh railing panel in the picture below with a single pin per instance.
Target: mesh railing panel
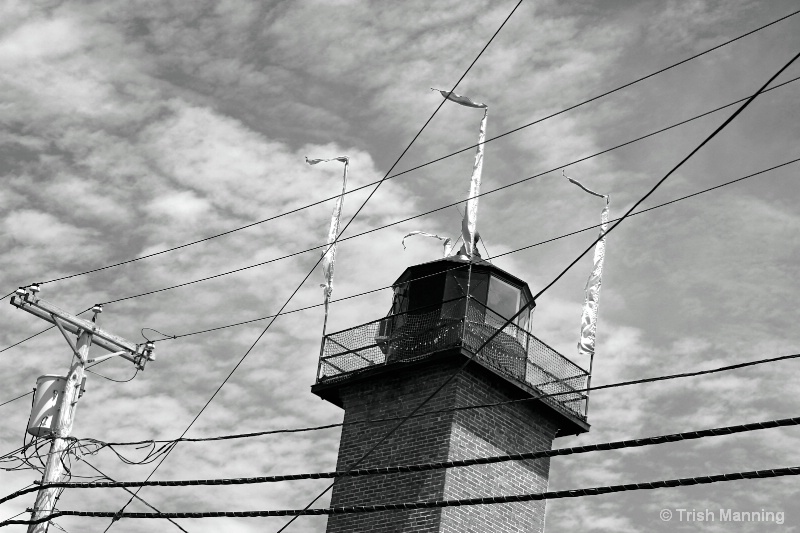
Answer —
(411, 336)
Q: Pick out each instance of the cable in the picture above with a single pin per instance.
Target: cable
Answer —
(90, 465)
(58, 527)
(26, 339)
(13, 517)
(441, 208)
(35, 334)
(331, 245)
(173, 337)
(668, 174)
(587, 228)
(15, 399)
(136, 373)
(640, 381)
(431, 504)
(602, 95)
(439, 465)
(559, 276)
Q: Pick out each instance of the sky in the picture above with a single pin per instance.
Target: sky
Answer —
(129, 128)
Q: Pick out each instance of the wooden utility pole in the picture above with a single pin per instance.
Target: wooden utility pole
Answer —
(61, 427)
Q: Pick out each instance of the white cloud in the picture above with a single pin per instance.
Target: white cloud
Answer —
(134, 127)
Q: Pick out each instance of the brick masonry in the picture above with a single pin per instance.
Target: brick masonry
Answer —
(440, 437)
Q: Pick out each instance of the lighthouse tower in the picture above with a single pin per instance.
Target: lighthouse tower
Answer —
(378, 372)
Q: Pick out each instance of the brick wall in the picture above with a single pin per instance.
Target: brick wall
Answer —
(512, 428)
(439, 437)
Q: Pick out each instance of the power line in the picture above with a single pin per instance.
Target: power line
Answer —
(484, 193)
(628, 383)
(424, 467)
(502, 25)
(602, 95)
(431, 504)
(587, 228)
(90, 465)
(15, 399)
(13, 517)
(35, 334)
(173, 337)
(441, 208)
(668, 174)
(26, 339)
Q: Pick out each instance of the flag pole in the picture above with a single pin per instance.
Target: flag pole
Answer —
(329, 254)
(586, 342)
(470, 221)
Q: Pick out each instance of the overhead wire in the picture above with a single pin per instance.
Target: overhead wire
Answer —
(13, 517)
(653, 440)
(90, 465)
(26, 339)
(612, 228)
(15, 399)
(435, 412)
(486, 192)
(509, 132)
(592, 99)
(437, 209)
(431, 504)
(587, 228)
(291, 296)
(667, 175)
(570, 234)
(559, 276)
(35, 334)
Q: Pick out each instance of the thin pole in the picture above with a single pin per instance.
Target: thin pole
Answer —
(333, 235)
(62, 428)
(589, 384)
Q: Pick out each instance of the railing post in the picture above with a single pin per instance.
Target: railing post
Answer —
(321, 354)
(588, 385)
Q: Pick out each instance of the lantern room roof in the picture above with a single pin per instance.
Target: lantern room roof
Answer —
(449, 263)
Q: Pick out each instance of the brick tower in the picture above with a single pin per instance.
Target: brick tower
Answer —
(385, 368)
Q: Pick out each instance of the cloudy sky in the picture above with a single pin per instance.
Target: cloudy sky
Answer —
(132, 127)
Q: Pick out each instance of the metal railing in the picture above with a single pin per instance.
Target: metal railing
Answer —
(460, 323)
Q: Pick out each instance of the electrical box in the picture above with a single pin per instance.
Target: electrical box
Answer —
(49, 389)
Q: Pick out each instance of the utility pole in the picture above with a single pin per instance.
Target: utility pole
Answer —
(63, 418)
(62, 427)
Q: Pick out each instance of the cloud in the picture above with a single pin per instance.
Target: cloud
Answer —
(130, 128)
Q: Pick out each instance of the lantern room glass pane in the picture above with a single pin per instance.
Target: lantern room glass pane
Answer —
(524, 319)
(503, 298)
(456, 285)
(425, 293)
(455, 290)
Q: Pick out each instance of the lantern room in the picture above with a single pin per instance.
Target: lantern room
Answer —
(454, 307)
